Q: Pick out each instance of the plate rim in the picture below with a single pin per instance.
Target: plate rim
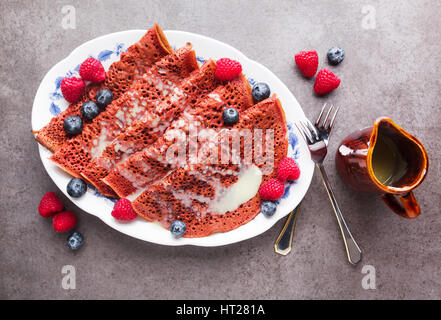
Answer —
(43, 151)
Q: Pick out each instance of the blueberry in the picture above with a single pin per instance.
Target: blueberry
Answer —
(103, 98)
(261, 91)
(336, 55)
(76, 187)
(90, 110)
(230, 116)
(268, 208)
(75, 241)
(178, 228)
(73, 125)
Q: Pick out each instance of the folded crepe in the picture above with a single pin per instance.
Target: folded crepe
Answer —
(161, 80)
(219, 197)
(121, 75)
(132, 176)
(145, 132)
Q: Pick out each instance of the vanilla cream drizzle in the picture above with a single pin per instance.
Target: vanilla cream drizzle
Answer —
(133, 110)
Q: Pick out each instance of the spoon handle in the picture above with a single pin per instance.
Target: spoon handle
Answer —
(283, 244)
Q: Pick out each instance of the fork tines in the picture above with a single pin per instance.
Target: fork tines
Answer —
(308, 130)
(322, 123)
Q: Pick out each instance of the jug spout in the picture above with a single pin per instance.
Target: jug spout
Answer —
(382, 159)
(397, 161)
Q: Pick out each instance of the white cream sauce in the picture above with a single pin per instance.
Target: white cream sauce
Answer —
(246, 187)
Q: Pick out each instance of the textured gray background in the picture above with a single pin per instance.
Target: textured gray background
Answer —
(393, 70)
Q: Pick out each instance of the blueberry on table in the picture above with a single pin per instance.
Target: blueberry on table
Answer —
(75, 241)
(76, 187)
(268, 208)
(178, 228)
(90, 110)
(230, 116)
(73, 125)
(261, 91)
(103, 98)
(336, 55)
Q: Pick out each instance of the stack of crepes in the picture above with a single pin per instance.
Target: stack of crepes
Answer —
(163, 99)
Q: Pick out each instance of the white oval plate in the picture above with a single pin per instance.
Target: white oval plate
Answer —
(49, 101)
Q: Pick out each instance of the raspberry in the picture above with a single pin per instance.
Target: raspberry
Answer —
(227, 69)
(92, 70)
(64, 221)
(325, 82)
(307, 61)
(123, 210)
(288, 170)
(273, 189)
(72, 89)
(49, 205)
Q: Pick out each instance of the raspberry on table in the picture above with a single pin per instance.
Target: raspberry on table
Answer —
(49, 205)
(325, 82)
(64, 221)
(307, 62)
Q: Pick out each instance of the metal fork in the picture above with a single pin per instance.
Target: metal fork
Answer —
(317, 137)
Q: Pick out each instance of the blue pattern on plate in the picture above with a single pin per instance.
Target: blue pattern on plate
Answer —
(58, 83)
(251, 81)
(98, 194)
(200, 59)
(119, 48)
(56, 96)
(54, 109)
(104, 55)
(293, 142)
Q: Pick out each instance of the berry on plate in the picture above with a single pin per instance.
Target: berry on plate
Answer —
(89, 110)
(72, 89)
(273, 189)
(49, 205)
(178, 228)
(230, 116)
(103, 98)
(227, 69)
(122, 210)
(92, 70)
(288, 170)
(268, 208)
(64, 221)
(261, 91)
(307, 62)
(325, 82)
(73, 125)
(76, 187)
(75, 241)
(335, 55)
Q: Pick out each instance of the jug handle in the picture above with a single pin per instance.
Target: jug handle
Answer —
(408, 208)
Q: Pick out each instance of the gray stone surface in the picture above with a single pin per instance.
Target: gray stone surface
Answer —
(391, 70)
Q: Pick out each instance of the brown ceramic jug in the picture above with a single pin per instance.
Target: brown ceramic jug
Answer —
(385, 160)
